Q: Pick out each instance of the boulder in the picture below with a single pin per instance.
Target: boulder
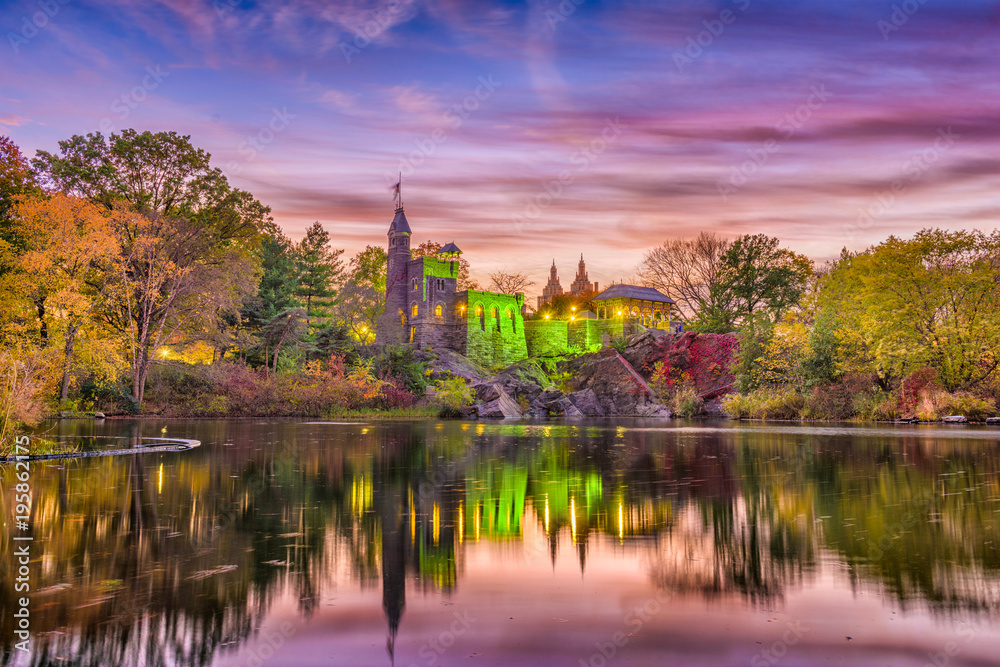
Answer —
(445, 363)
(587, 403)
(993, 420)
(501, 407)
(955, 419)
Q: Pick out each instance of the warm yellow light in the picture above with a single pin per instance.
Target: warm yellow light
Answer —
(546, 317)
(165, 352)
(572, 318)
(573, 309)
(619, 312)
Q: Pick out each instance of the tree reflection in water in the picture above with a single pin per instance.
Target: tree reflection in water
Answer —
(175, 558)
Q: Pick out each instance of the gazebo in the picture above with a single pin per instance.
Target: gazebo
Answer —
(648, 306)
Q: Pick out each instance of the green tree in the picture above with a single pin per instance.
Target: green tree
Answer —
(16, 178)
(278, 280)
(320, 269)
(757, 278)
(932, 300)
(362, 298)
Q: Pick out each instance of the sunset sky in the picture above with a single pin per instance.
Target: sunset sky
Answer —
(540, 130)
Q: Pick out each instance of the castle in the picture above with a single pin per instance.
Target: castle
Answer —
(424, 308)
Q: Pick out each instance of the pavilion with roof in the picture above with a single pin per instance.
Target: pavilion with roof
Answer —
(648, 306)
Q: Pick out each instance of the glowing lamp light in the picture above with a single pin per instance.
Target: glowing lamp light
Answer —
(619, 312)
(165, 352)
(573, 309)
(546, 317)
(572, 318)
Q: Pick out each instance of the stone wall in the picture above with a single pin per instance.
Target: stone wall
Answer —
(546, 337)
(495, 334)
(556, 337)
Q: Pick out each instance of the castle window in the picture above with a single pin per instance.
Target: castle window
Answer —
(479, 311)
(440, 283)
(416, 284)
(413, 333)
(438, 310)
(414, 310)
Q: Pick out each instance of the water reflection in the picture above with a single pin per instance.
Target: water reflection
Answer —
(177, 558)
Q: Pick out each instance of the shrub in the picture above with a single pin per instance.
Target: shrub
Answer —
(964, 403)
(875, 406)
(453, 394)
(687, 403)
(765, 404)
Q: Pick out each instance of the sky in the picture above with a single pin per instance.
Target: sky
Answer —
(540, 130)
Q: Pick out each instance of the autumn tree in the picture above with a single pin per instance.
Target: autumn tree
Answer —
(464, 280)
(319, 267)
(687, 270)
(509, 282)
(69, 243)
(188, 240)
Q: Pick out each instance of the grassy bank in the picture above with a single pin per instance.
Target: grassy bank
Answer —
(859, 400)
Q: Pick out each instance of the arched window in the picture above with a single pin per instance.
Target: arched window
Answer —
(414, 310)
(479, 311)
(438, 310)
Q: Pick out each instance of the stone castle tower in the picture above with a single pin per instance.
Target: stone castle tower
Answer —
(392, 324)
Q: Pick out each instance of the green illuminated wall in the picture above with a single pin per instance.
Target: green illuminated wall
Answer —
(496, 337)
(555, 337)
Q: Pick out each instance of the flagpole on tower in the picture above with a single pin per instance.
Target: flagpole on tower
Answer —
(397, 194)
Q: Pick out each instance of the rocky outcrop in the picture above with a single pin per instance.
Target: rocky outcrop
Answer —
(446, 363)
(614, 384)
(494, 402)
(603, 385)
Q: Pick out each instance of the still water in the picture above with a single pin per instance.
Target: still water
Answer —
(428, 543)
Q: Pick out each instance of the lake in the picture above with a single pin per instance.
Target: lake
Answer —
(444, 543)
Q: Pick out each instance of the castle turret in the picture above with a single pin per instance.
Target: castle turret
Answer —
(392, 324)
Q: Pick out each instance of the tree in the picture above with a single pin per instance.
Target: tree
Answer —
(16, 178)
(756, 278)
(286, 328)
(464, 281)
(278, 280)
(362, 298)
(933, 300)
(68, 242)
(319, 267)
(188, 240)
(687, 270)
(509, 282)
(173, 280)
